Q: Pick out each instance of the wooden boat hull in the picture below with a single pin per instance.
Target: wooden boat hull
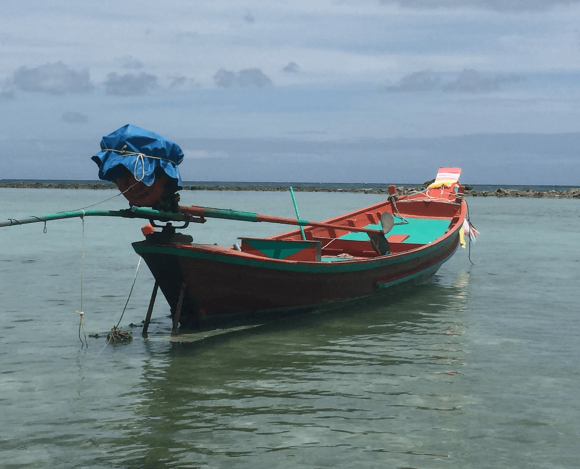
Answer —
(217, 288)
(221, 283)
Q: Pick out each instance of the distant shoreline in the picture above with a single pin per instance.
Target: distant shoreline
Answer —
(469, 191)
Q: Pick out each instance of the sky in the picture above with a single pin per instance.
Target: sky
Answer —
(375, 91)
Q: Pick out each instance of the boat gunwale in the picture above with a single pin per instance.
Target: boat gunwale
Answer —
(417, 197)
(232, 256)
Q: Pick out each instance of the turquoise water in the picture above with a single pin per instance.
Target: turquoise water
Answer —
(476, 369)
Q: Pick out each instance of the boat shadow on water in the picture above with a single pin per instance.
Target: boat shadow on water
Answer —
(415, 306)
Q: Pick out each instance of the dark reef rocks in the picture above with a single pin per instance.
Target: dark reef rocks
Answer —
(469, 191)
(50, 185)
(529, 193)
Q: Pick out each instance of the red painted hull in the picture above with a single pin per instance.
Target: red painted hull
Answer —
(222, 282)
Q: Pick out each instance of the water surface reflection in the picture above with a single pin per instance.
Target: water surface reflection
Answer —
(332, 387)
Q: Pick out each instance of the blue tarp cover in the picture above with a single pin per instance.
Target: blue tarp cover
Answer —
(158, 154)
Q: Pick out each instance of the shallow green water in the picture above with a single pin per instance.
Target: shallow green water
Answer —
(478, 368)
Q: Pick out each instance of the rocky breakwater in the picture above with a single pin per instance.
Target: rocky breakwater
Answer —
(50, 185)
(401, 190)
(529, 193)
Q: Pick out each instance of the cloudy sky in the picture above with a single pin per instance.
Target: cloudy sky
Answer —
(309, 91)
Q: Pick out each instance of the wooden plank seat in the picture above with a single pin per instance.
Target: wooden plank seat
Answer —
(289, 250)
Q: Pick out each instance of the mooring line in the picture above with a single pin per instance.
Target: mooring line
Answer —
(116, 333)
(81, 313)
(102, 201)
(130, 292)
(104, 347)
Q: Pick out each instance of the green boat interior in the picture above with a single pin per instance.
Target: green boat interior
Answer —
(416, 232)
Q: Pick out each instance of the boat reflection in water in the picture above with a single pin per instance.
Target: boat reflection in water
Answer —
(358, 380)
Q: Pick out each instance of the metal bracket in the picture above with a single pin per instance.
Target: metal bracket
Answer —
(185, 225)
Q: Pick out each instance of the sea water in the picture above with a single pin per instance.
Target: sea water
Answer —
(478, 368)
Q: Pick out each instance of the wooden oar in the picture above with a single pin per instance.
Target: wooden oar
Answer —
(378, 239)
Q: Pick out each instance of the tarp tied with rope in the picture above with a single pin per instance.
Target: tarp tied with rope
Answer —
(140, 151)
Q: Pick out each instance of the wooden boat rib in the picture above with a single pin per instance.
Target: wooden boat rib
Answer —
(206, 284)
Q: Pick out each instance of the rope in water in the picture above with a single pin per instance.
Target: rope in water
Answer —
(130, 292)
(116, 333)
(81, 312)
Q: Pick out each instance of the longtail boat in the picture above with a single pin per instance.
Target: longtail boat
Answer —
(325, 262)
(402, 240)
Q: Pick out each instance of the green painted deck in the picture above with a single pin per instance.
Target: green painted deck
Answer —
(420, 230)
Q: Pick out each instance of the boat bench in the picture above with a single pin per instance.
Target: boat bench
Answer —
(363, 248)
(418, 230)
(288, 250)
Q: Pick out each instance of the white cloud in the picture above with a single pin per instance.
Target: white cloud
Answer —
(130, 63)
(496, 5)
(181, 82)
(204, 154)
(53, 78)
(187, 36)
(7, 95)
(468, 81)
(472, 81)
(292, 67)
(249, 18)
(247, 78)
(418, 81)
(520, 62)
(130, 84)
(72, 117)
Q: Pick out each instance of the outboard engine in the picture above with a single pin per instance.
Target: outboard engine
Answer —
(143, 164)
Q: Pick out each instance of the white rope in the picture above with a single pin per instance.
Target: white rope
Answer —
(81, 313)
(83, 256)
(103, 201)
(130, 291)
(140, 158)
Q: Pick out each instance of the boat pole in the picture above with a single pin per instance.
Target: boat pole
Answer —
(208, 212)
(150, 309)
(135, 212)
(297, 213)
(177, 313)
(378, 240)
(192, 213)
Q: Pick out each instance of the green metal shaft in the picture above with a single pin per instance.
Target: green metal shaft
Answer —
(208, 212)
(191, 213)
(135, 212)
(297, 212)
